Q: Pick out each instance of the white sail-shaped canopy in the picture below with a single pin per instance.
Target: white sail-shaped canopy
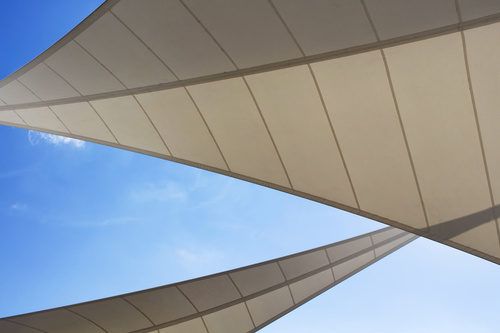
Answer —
(385, 108)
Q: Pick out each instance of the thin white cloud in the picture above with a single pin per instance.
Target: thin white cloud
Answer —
(166, 192)
(18, 206)
(114, 221)
(14, 173)
(95, 223)
(194, 259)
(35, 138)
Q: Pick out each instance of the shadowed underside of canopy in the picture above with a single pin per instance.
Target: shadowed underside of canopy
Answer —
(384, 108)
(240, 300)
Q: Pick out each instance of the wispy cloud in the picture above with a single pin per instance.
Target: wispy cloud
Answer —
(221, 193)
(194, 259)
(166, 192)
(112, 222)
(14, 173)
(35, 138)
(18, 206)
(92, 223)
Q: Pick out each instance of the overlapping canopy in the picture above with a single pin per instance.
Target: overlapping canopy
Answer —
(240, 300)
(384, 108)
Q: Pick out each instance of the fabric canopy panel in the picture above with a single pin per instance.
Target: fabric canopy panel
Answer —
(240, 300)
(384, 108)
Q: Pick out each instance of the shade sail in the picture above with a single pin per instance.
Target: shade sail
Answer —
(384, 108)
(240, 300)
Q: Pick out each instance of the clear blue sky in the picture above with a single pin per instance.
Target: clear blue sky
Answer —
(79, 221)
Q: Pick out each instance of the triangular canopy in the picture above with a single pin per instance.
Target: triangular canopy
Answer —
(241, 300)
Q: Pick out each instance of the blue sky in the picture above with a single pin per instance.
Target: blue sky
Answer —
(79, 221)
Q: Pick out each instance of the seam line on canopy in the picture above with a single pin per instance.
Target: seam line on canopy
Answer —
(249, 314)
(17, 114)
(204, 324)
(176, 286)
(24, 325)
(101, 64)
(234, 285)
(105, 124)
(335, 138)
(152, 124)
(241, 296)
(373, 244)
(209, 33)
(62, 78)
(87, 319)
(476, 119)
(259, 110)
(290, 292)
(191, 98)
(405, 137)
(398, 113)
(139, 310)
(330, 261)
(60, 120)
(278, 262)
(29, 89)
(194, 315)
(322, 101)
(133, 33)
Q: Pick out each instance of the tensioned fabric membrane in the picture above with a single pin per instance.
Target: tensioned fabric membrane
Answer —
(241, 300)
(385, 108)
